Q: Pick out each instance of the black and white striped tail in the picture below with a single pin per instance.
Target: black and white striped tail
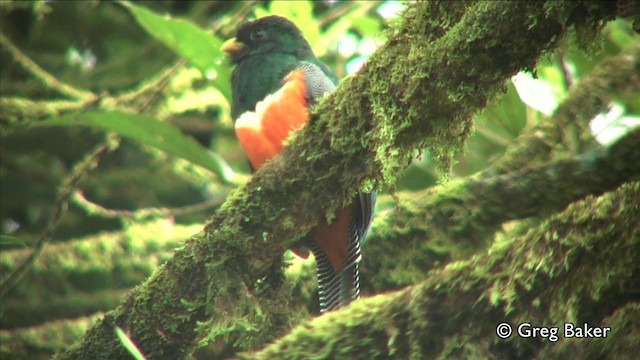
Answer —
(338, 289)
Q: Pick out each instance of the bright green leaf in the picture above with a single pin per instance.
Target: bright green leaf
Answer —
(391, 9)
(621, 33)
(148, 130)
(611, 125)
(554, 75)
(189, 41)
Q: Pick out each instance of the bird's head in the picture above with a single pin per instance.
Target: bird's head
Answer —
(271, 34)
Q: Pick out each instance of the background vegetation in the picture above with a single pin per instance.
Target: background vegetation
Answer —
(117, 145)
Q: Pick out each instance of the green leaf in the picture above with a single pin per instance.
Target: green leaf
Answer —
(148, 130)
(129, 344)
(189, 41)
(11, 240)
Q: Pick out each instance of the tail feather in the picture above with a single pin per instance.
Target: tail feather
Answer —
(337, 289)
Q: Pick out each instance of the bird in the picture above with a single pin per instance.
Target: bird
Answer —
(276, 80)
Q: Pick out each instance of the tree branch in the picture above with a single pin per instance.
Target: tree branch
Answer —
(416, 91)
(97, 210)
(568, 269)
(459, 218)
(614, 76)
(532, 178)
(72, 182)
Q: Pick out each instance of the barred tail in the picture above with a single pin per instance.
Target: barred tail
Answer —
(338, 289)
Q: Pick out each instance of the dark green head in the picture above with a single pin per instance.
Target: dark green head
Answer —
(271, 34)
(264, 52)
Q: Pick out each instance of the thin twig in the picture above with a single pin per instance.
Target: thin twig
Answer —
(42, 75)
(154, 85)
(78, 174)
(95, 209)
(227, 24)
(24, 111)
(339, 11)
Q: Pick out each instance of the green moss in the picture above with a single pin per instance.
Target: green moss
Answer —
(453, 313)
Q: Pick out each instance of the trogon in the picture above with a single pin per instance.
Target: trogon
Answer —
(276, 79)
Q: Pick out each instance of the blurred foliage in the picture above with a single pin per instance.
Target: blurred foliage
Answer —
(121, 68)
(501, 122)
(160, 81)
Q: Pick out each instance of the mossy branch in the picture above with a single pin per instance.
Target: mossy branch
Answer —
(622, 340)
(459, 218)
(39, 342)
(78, 174)
(16, 109)
(575, 267)
(616, 76)
(92, 263)
(532, 178)
(145, 213)
(418, 90)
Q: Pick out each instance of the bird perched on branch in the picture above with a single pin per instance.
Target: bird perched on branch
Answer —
(276, 80)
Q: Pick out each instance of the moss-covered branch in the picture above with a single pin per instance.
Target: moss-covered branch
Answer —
(15, 110)
(76, 268)
(614, 77)
(622, 341)
(568, 269)
(533, 178)
(460, 217)
(419, 90)
(39, 342)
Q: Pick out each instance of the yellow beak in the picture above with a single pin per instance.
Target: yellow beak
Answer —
(232, 46)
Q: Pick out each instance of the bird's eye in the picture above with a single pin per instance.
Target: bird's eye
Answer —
(258, 34)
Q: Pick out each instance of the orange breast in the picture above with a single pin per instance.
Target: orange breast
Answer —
(258, 147)
(262, 132)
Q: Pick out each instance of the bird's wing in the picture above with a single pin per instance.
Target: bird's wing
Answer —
(317, 82)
